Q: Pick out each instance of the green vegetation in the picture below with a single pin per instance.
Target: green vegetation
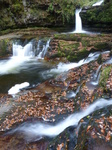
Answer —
(111, 52)
(14, 14)
(95, 17)
(102, 46)
(77, 46)
(66, 8)
(4, 47)
(104, 76)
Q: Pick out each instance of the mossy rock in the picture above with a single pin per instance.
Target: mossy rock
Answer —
(94, 17)
(5, 47)
(104, 76)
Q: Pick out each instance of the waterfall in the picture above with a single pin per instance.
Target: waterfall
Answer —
(30, 49)
(21, 51)
(78, 22)
(23, 54)
(98, 3)
(44, 49)
(78, 27)
(35, 131)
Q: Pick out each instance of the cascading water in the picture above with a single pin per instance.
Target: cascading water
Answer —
(94, 81)
(22, 54)
(23, 67)
(44, 49)
(96, 77)
(78, 22)
(98, 3)
(38, 130)
(23, 51)
(78, 27)
(62, 67)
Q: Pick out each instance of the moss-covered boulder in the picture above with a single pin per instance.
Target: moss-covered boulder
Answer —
(105, 78)
(75, 47)
(5, 47)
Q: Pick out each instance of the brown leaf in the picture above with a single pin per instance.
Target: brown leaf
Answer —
(88, 128)
(64, 94)
(65, 84)
(60, 146)
(108, 137)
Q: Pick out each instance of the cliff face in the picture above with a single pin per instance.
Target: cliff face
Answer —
(52, 13)
(40, 13)
(25, 13)
(98, 17)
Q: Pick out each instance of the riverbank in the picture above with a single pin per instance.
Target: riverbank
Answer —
(73, 90)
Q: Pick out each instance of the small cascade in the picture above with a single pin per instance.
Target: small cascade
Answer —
(21, 51)
(97, 72)
(62, 67)
(96, 77)
(94, 81)
(35, 131)
(44, 49)
(31, 49)
(98, 3)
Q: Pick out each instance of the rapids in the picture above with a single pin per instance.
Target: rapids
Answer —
(38, 130)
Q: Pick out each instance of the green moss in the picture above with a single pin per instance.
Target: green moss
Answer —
(95, 17)
(103, 45)
(3, 47)
(68, 37)
(85, 43)
(111, 52)
(104, 76)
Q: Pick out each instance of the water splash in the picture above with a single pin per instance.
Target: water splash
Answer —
(38, 129)
(98, 3)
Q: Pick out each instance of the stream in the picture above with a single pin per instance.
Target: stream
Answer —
(26, 65)
(36, 131)
(27, 69)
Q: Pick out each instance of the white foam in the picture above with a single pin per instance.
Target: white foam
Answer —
(12, 65)
(62, 67)
(21, 51)
(15, 89)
